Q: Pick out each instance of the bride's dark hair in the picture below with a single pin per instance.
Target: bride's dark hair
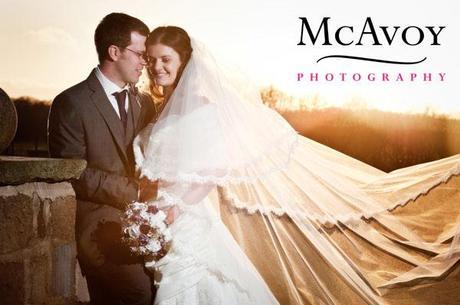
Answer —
(173, 37)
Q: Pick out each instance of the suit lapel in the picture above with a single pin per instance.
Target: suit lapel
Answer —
(111, 118)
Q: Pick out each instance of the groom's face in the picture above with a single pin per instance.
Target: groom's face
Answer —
(131, 61)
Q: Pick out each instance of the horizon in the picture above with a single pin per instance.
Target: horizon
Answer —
(306, 106)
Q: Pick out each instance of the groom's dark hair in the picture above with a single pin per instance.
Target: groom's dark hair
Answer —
(115, 29)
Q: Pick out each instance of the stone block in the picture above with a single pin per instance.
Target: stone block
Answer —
(63, 212)
(12, 283)
(63, 270)
(38, 278)
(17, 222)
(20, 170)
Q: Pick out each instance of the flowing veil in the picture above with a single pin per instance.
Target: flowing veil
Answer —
(320, 226)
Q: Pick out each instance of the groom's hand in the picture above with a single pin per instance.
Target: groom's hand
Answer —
(147, 189)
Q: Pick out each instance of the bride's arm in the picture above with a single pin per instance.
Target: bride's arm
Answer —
(175, 197)
(194, 196)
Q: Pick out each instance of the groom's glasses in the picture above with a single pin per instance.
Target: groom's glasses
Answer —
(143, 55)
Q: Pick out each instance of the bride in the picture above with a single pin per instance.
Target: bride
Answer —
(303, 222)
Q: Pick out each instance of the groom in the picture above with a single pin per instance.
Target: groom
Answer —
(97, 120)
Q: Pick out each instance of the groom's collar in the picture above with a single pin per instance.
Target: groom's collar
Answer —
(108, 86)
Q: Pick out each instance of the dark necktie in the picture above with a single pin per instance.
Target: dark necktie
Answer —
(121, 100)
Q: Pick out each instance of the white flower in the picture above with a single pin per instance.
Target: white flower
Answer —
(133, 231)
(153, 246)
(137, 206)
(145, 215)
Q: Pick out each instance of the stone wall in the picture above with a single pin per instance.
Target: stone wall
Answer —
(37, 222)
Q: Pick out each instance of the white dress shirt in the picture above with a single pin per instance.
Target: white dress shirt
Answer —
(110, 88)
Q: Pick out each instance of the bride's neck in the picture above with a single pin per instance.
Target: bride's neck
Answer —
(168, 92)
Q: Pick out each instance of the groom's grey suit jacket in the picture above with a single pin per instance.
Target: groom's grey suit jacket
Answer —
(83, 124)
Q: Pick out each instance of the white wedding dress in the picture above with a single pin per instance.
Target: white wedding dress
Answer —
(206, 266)
(302, 204)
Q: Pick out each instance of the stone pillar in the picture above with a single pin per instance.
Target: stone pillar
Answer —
(37, 230)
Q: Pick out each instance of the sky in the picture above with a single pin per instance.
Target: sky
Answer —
(47, 46)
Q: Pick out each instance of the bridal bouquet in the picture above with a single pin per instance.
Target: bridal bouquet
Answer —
(145, 230)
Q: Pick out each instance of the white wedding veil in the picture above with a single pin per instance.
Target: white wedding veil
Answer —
(216, 131)
(209, 132)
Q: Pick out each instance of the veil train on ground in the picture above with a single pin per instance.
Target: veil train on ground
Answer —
(407, 253)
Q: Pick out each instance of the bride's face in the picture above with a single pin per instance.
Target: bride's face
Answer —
(164, 64)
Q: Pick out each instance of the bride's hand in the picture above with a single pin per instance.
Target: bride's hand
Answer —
(171, 214)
